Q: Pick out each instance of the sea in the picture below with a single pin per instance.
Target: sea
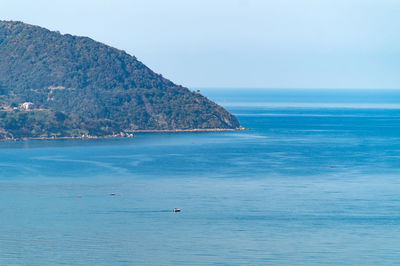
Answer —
(315, 180)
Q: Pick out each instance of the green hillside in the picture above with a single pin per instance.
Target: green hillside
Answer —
(54, 85)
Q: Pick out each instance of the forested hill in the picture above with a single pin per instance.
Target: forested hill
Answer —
(54, 85)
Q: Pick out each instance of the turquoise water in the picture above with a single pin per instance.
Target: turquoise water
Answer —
(315, 181)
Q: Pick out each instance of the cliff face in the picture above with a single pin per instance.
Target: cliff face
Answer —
(79, 86)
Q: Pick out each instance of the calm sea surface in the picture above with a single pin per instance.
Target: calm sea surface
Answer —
(316, 181)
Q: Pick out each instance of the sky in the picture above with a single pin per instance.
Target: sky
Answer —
(239, 43)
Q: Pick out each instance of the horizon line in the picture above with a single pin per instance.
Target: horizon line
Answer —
(286, 88)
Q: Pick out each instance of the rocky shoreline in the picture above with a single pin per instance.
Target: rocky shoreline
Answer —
(126, 135)
(191, 130)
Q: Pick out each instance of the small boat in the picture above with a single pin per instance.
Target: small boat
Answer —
(177, 210)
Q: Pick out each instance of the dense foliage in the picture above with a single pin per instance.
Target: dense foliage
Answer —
(80, 86)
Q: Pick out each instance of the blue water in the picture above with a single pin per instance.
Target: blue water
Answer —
(315, 181)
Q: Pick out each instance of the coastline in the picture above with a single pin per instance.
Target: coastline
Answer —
(191, 130)
(130, 134)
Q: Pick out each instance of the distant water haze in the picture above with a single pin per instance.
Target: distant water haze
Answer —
(306, 98)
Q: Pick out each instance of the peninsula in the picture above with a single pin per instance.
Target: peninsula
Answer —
(56, 85)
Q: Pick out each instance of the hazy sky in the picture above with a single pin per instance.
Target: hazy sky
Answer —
(239, 43)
